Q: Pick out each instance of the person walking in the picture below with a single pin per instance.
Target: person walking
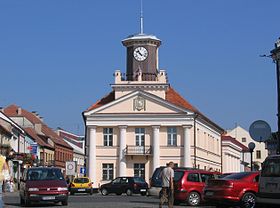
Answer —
(167, 176)
(4, 171)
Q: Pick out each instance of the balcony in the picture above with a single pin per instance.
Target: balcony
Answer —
(138, 150)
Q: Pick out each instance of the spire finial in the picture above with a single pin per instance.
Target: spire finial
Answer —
(141, 19)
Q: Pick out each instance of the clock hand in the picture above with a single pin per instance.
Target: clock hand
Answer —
(139, 53)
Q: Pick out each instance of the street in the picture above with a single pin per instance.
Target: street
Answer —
(97, 200)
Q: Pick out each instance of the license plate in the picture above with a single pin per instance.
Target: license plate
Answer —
(142, 190)
(48, 197)
(209, 193)
(81, 189)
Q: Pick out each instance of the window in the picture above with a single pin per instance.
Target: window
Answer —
(259, 156)
(206, 177)
(175, 165)
(140, 136)
(107, 171)
(243, 139)
(108, 136)
(171, 136)
(139, 170)
(117, 181)
(193, 177)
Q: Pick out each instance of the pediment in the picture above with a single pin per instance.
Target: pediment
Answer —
(139, 102)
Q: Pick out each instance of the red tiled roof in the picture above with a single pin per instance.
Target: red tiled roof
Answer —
(32, 133)
(13, 111)
(234, 141)
(175, 98)
(106, 99)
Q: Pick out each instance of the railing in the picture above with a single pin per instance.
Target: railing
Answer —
(145, 76)
(138, 150)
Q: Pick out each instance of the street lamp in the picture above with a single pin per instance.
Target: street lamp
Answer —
(251, 147)
(275, 55)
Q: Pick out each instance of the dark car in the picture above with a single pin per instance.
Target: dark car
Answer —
(43, 184)
(234, 189)
(128, 185)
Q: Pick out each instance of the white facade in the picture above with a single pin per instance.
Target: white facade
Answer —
(243, 136)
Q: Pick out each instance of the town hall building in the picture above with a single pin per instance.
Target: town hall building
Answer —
(144, 123)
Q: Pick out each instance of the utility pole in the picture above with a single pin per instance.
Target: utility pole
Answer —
(275, 54)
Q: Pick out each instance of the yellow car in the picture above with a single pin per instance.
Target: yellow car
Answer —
(81, 185)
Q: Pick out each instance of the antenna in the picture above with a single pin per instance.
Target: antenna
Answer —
(141, 19)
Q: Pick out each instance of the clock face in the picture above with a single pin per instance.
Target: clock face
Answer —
(140, 53)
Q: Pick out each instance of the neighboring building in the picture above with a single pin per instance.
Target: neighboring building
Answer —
(236, 156)
(143, 123)
(243, 136)
(78, 145)
(45, 147)
(62, 151)
(13, 135)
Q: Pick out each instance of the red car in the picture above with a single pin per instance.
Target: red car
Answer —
(237, 188)
(43, 184)
(189, 185)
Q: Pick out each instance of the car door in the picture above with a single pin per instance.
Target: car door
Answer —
(115, 186)
(124, 184)
(194, 183)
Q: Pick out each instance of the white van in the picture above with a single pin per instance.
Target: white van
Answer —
(269, 181)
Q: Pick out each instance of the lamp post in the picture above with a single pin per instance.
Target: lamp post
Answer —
(275, 54)
(251, 147)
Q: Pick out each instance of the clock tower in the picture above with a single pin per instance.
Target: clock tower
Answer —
(142, 55)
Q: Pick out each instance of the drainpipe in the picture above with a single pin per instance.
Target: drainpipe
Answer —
(194, 137)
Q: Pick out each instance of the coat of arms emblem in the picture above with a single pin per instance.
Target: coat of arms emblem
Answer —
(139, 104)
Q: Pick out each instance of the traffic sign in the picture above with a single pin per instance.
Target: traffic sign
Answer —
(70, 168)
(260, 131)
(83, 170)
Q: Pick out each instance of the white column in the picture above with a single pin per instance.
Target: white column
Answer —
(156, 153)
(92, 155)
(187, 147)
(122, 159)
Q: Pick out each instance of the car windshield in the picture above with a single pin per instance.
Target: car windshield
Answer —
(271, 168)
(42, 174)
(236, 176)
(139, 180)
(81, 180)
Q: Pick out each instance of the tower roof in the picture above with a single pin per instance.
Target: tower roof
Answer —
(141, 37)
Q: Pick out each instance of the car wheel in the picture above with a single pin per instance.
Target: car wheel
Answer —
(128, 192)
(104, 192)
(65, 202)
(194, 199)
(248, 200)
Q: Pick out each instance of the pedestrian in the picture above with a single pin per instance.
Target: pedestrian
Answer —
(4, 175)
(167, 176)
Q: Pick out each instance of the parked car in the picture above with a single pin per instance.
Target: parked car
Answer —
(81, 185)
(128, 185)
(269, 182)
(189, 185)
(235, 189)
(43, 184)
(185, 188)
(156, 181)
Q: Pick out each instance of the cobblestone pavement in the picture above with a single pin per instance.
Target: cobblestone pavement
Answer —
(95, 201)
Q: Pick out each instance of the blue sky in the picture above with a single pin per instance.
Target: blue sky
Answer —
(58, 57)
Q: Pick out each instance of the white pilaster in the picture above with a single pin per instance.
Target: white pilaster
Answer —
(92, 155)
(187, 147)
(156, 153)
(122, 159)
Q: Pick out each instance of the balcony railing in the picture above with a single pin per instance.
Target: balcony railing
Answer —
(138, 150)
(145, 76)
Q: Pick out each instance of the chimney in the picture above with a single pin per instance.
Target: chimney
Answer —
(38, 128)
(19, 110)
